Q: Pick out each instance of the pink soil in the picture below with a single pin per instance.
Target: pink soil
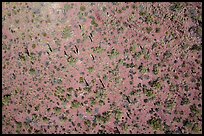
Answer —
(28, 98)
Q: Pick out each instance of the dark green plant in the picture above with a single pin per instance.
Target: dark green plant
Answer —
(156, 123)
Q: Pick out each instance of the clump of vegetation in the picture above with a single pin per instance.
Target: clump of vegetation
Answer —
(143, 69)
(37, 107)
(57, 80)
(167, 54)
(157, 30)
(134, 6)
(196, 47)
(70, 89)
(132, 93)
(68, 96)
(18, 127)
(196, 128)
(98, 49)
(81, 80)
(60, 90)
(67, 7)
(63, 118)
(119, 11)
(44, 34)
(156, 84)
(93, 101)
(101, 102)
(113, 54)
(32, 57)
(156, 123)
(187, 123)
(149, 93)
(157, 103)
(123, 8)
(104, 8)
(91, 69)
(88, 110)
(6, 99)
(101, 94)
(177, 119)
(81, 17)
(173, 88)
(146, 55)
(133, 49)
(57, 110)
(194, 109)
(33, 46)
(176, 7)
(16, 91)
(104, 118)
(143, 13)
(137, 55)
(67, 32)
(105, 77)
(125, 126)
(169, 104)
(154, 45)
(75, 104)
(118, 80)
(155, 69)
(82, 8)
(34, 117)
(69, 93)
(93, 22)
(32, 71)
(149, 29)
(87, 88)
(72, 61)
(185, 101)
(149, 19)
(45, 119)
(87, 122)
(23, 57)
(118, 114)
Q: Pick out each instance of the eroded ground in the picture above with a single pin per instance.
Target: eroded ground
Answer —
(102, 67)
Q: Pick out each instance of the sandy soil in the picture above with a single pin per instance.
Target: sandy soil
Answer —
(128, 68)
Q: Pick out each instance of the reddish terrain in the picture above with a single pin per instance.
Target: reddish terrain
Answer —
(128, 68)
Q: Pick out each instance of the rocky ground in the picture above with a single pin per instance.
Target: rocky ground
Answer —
(102, 68)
